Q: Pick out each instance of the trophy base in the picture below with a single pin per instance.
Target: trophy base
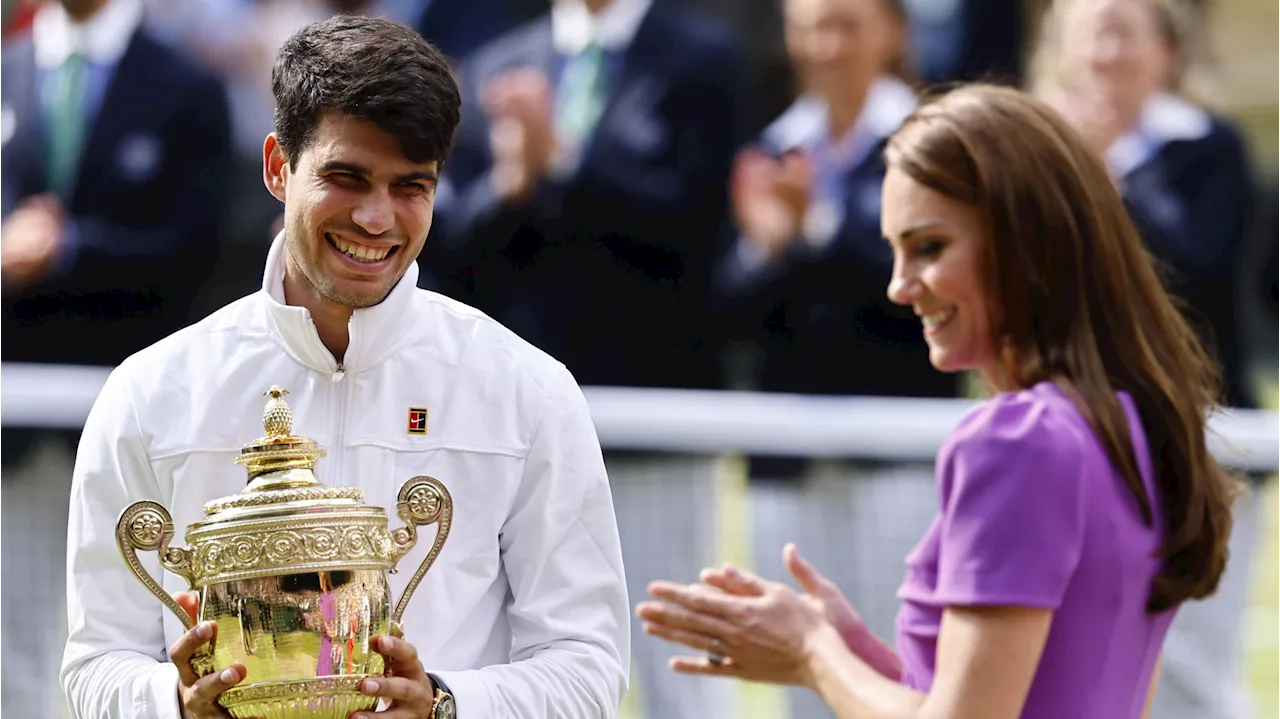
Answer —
(322, 698)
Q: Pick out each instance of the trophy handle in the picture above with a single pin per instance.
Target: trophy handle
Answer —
(148, 526)
(422, 501)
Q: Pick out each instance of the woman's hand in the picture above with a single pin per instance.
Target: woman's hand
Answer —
(765, 630)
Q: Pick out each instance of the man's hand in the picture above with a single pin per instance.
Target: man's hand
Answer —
(409, 689)
(198, 695)
(29, 241)
(521, 139)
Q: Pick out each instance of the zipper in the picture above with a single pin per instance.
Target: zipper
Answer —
(339, 440)
(343, 389)
(338, 415)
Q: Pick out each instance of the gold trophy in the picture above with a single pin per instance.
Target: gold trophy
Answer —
(293, 574)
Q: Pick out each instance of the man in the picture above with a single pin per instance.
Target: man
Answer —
(524, 613)
(112, 191)
(587, 193)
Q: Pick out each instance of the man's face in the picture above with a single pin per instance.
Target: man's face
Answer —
(357, 212)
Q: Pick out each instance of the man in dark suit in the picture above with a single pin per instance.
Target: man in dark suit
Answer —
(581, 208)
(115, 163)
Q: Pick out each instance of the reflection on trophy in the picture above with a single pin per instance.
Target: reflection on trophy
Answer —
(293, 574)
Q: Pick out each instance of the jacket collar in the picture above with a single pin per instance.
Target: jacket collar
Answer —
(376, 332)
(889, 102)
(1165, 118)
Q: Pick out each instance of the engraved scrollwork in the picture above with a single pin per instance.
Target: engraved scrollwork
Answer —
(354, 543)
(323, 542)
(273, 547)
(283, 547)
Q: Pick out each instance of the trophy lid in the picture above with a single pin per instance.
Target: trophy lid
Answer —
(281, 465)
(278, 448)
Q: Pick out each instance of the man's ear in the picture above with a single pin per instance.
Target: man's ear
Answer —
(275, 167)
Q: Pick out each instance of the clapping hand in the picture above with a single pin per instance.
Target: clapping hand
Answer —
(521, 139)
(30, 240)
(765, 631)
(770, 197)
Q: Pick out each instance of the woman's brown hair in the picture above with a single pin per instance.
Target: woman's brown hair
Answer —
(1081, 304)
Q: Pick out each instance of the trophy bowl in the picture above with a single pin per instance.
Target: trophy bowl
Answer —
(292, 573)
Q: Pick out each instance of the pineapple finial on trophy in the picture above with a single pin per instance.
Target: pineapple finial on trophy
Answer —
(278, 449)
(277, 418)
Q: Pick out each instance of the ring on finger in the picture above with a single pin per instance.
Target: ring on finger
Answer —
(715, 656)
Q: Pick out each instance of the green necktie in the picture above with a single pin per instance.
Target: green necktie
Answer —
(66, 124)
(581, 95)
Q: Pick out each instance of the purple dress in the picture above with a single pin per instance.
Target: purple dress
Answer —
(1032, 514)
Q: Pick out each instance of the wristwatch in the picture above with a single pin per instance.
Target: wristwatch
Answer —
(442, 706)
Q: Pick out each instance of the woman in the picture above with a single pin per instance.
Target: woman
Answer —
(803, 284)
(1078, 508)
(1130, 76)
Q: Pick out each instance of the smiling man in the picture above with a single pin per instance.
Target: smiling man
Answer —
(524, 612)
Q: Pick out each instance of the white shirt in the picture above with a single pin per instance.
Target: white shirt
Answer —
(102, 38)
(524, 614)
(573, 27)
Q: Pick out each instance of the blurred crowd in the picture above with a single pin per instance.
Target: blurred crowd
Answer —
(659, 193)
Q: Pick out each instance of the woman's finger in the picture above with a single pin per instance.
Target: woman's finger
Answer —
(701, 665)
(805, 574)
(700, 599)
(693, 640)
(678, 617)
(734, 581)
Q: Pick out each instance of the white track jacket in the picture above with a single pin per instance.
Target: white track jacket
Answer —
(523, 615)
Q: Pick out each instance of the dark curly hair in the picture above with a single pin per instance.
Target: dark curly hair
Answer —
(371, 69)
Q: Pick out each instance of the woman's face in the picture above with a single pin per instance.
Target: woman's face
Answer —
(937, 271)
(1115, 48)
(838, 45)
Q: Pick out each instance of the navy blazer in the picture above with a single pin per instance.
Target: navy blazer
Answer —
(1193, 201)
(606, 269)
(146, 206)
(821, 317)
(458, 28)
(1264, 288)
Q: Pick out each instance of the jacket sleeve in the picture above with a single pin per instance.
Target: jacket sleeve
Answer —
(1197, 216)
(569, 612)
(115, 664)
